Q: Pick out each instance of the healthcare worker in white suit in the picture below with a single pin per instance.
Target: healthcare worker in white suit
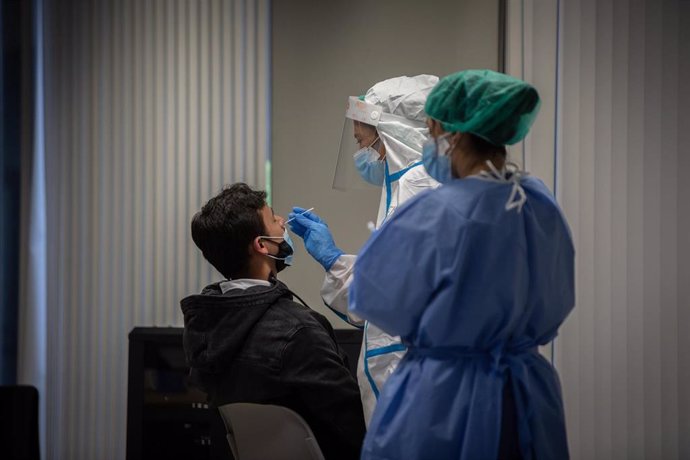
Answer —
(382, 141)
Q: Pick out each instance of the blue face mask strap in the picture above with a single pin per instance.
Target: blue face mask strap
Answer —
(390, 178)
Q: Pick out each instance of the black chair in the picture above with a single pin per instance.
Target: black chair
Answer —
(19, 423)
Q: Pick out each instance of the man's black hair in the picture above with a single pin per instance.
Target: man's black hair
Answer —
(226, 226)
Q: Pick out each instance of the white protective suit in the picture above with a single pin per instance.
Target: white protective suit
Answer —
(402, 128)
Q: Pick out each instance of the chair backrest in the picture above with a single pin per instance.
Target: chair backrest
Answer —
(19, 422)
(267, 432)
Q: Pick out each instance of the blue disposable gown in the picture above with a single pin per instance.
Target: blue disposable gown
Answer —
(472, 289)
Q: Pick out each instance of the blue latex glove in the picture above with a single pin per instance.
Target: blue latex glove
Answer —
(317, 237)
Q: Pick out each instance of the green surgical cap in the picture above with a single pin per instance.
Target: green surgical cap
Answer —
(494, 106)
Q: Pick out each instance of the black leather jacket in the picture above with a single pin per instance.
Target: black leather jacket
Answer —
(258, 345)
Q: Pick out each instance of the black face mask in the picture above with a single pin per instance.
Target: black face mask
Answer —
(284, 256)
(284, 251)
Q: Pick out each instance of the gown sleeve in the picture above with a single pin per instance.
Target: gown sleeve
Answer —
(400, 267)
(334, 290)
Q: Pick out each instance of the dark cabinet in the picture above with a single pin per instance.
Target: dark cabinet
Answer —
(166, 416)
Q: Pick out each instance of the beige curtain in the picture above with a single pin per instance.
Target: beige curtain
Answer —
(622, 131)
(151, 106)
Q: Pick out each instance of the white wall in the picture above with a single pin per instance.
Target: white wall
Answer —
(322, 55)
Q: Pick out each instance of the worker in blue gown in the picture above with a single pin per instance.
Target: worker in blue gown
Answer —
(473, 276)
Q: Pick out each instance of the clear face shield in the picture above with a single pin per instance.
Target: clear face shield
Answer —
(360, 159)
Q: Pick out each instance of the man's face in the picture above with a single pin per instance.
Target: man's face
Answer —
(273, 223)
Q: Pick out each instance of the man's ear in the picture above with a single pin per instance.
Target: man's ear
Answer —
(259, 246)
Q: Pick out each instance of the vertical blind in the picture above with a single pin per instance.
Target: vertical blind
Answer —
(151, 107)
(532, 55)
(623, 127)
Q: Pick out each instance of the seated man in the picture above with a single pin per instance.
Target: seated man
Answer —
(245, 338)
